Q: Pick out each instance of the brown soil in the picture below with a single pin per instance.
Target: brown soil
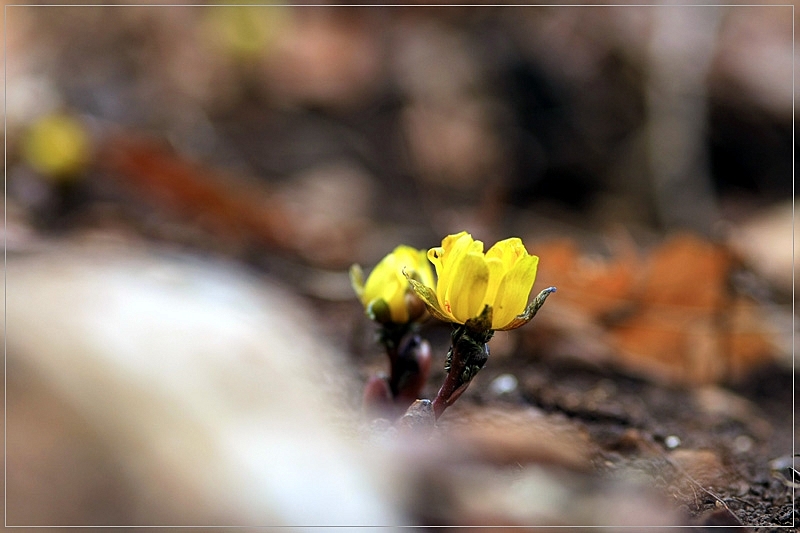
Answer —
(708, 450)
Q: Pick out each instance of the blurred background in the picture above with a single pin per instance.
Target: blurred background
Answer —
(422, 120)
(645, 152)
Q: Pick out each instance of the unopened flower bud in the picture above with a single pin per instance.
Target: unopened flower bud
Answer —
(386, 295)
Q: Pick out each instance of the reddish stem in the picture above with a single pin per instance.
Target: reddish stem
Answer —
(467, 356)
(449, 393)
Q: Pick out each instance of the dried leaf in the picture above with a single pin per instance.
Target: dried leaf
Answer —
(192, 192)
(671, 317)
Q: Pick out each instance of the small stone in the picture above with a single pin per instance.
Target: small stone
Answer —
(672, 442)
(786, 469)
(702, 467)
(742, 444)
(503, 384)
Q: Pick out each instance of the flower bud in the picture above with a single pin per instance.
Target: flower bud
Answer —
(386, 295)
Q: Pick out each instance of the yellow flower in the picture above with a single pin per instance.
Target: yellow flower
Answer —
(245, 30)
(387, 296)
(57, 146)
(469, 280)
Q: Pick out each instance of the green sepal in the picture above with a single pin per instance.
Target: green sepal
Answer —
(357, 280)
(469, 350)
(428, 295)
(379, 311)
(480, 328)
(531, 310)
(390, 333)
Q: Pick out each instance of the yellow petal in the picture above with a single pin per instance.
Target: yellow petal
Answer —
(382, 275)
(407, 256)
(514, 290)
(444, 253)
(443, 257)
(447, 258)
(509, 251)
(470, 277)
(501, 258)
(385, 283)
(424, 270)
(435, 256)
(453, 245)
(395, 295)
(414, 263)
(497, 272)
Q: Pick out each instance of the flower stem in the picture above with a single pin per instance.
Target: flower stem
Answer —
(409, 365)
(391, 336)
(404, 364)
(467, 355)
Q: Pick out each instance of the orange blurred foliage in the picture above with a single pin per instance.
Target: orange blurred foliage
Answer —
(244, 213)
(672, 316)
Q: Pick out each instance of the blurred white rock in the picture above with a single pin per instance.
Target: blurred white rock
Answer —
(206, 384)
(767, 242)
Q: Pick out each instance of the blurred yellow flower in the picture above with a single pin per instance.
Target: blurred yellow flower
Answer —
(245, 28)
(57, 146)
(469, 280)
(386, 295)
